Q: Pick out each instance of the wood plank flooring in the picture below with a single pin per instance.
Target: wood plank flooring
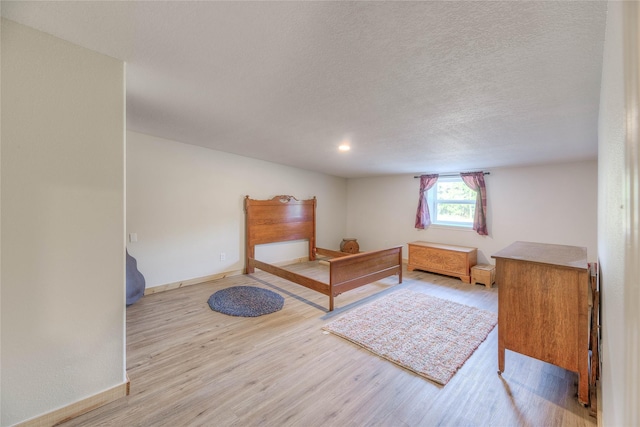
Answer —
(190, 366)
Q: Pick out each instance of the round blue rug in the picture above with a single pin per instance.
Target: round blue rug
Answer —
(246, 301)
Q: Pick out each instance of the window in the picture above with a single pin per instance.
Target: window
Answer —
(452, 202)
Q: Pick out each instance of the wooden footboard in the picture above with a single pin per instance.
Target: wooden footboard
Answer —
(345, 272)
(352, 271)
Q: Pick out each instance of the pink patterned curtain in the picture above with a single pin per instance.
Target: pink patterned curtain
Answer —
(423, 219)
(475, 181)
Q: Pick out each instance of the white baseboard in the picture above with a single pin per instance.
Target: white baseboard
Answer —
(78, 408)
(189, 282)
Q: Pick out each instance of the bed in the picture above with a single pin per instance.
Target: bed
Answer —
(285, 218)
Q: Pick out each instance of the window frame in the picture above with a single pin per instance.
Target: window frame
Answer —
(433, 202)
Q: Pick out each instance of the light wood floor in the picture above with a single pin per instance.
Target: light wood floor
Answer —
(190, 366)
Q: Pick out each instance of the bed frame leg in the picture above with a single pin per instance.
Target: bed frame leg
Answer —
(330, 302)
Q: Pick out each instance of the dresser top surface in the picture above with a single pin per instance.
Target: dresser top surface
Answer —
(545, 253)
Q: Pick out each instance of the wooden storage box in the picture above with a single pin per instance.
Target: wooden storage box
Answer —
(443, 259)
(483, 273)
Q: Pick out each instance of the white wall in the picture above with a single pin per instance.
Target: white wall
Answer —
(185, 203)
(618, 221)
(552, 204)
(62, 223)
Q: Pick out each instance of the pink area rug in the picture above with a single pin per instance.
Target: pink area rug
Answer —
(427, 335)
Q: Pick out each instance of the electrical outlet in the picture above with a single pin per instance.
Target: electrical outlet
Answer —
(223, 256)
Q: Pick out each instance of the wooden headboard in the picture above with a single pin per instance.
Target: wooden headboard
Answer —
(280, 219)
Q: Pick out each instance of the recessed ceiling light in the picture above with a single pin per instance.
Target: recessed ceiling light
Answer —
(344, 147)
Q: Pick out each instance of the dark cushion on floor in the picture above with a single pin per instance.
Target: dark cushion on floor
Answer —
(135, 281)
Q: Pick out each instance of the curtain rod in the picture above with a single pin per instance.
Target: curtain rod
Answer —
(451, 174)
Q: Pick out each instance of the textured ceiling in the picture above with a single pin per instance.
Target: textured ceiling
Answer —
(414, 86)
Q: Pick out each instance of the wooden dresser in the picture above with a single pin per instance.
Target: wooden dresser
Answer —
(443, 259)
(543, 306)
